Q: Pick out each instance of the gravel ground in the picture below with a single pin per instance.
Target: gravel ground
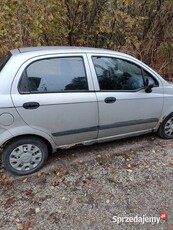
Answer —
(84, 187)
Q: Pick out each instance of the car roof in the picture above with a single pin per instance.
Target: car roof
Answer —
(58, 48)
(65, 49)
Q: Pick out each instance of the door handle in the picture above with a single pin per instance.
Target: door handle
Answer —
(110, 99)
(31, 105)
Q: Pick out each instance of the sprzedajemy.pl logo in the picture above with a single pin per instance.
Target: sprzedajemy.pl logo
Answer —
(139, 219)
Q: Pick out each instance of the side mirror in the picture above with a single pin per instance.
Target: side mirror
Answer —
(148, 86)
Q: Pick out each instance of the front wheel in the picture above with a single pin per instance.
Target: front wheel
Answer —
(166, 128)
(24, 156)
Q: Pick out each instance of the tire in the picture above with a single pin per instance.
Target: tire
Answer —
(166, 128)
(24, 156)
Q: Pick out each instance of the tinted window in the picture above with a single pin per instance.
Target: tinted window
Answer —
(55, 74)
(4, 60)
(118, 74)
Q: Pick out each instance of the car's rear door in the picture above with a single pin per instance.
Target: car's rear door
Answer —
(54, 93)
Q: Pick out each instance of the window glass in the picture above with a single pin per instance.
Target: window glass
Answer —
(117, 74)
(150, 78)
(4, 60)
(55, 74)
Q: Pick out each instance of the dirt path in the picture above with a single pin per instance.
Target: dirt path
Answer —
(89, 187)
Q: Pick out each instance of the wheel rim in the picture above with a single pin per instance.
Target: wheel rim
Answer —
(25, 157)
(169, 127)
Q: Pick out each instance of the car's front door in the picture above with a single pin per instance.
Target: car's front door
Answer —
(55, 95)
(124, 106)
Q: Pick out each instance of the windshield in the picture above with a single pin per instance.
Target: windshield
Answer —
(4, 60)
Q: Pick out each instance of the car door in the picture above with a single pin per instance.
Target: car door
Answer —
(124, 106)
(54, 93)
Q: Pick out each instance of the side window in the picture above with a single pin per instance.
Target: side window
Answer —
(118, 74)
(151, 79)
(54, 75)
(4, 60)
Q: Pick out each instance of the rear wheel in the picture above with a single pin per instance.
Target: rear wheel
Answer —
(24, 156)
(166, 128)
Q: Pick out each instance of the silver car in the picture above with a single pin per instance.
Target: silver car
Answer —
(56, 96)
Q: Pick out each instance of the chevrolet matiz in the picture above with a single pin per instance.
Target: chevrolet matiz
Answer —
(56, 96)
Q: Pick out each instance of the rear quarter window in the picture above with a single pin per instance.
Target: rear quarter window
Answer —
(4, 60)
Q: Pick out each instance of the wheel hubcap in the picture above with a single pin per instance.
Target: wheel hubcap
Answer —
(169, 127)
(25, 157)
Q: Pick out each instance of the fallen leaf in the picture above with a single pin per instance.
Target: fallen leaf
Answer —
(37, 210)
(15, 213)
(58, 211)
(9, 201)
(134, 166)
(170, 157)
(55, 183)
(58, 174)
(29, 192)
(87, 182)
(107, 201)
(40, 173)
(4, 180)
(25, 180)
(20, 226)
